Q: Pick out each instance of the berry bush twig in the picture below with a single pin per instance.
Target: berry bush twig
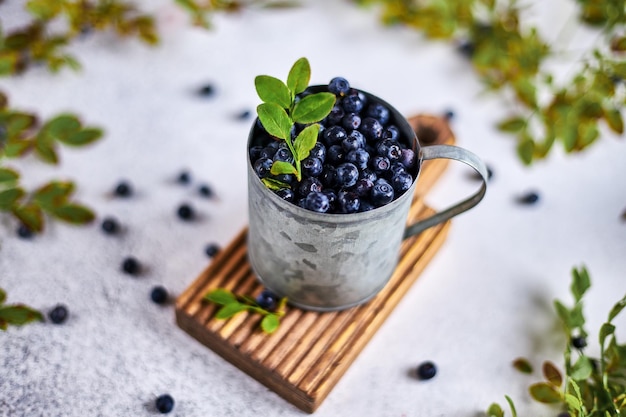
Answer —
(16, 314)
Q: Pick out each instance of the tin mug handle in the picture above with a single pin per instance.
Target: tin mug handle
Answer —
(458, 154)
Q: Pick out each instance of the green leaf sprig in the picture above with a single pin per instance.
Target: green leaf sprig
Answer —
(589, 387)
(16, 314)
(233, 304)
(20, 134)
(282, 109)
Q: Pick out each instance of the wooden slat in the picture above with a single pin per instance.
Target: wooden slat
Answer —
(304, 359)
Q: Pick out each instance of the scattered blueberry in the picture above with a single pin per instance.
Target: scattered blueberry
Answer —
(110, 226)
(159, 295)
(205, 191)
(579, 342)
(243, 115)
(24, 231)
(448, 115)
(185, 212)
(123, 189)
(267, 300)
(164, 403)
(466, 48)
(206, 90)
(131, 266)
(58, 314)
(211, 249)
(529, 198)
(478, 177)
(184, 177)
(426, 370)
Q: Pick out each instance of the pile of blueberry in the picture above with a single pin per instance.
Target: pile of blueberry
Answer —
(360, 161)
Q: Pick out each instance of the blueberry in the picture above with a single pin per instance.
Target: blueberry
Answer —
(352, 103)
(308, 185)
(267, 300)
(255, 152)
(380, 164)
(366, 205)
(339, 86)
(286, 178)
(332, 197)
(448, 115)
(268, 151)
(466, 48)
(528, 198)
(185, 212)
(327, 177)
(283, 154)
(348, 202)
(243, 115)
(363, 187)
(317, 201)
(391, 132)
(426, 370)
(184, 177)
(206, 90)
(407, 158)
(389, 149)
(336, 155)
(396, 168)
(318, 151)
(382, 193)
(335, 116)
(401, 182)
(159, 294)
(334, 135)
(262, 167)
(351, 121)
(312, 167)
(579, 342)
(369, 174)
(131, 266)
(478, 177)
(359, 157)
(211, 250)
(346, 174)
(205, 190)
(164, 403)
(58, 314)
(123, 189)
(24, 231)
(371, 129)
(110, 226)
(378, 112)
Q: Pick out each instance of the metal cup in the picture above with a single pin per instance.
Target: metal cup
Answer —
(326, 262)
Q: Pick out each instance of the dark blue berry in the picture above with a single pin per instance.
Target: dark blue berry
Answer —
(317, 201)
(346, 174)
(286, 194)
(267, 300)
(268, 151)
(335, 155)
(205, 191)
(262, 167)
(448, 115)
(286, 178)
(110, 226)
(348, 201)
(579, 342)
(185, 212)
(407, 158)
(159, 295)
(339, 86)
(243, 115)
(363, 187)
(369, 174)
(184, 177)
(371, 129)
(335, 116)
(123, 189)
(318, 151)
(164, 403)
(352, 103)
(382, 193)
(396, 168)
(366, 205)
(466, 48)
(283, 154)
(332, 197)
(401, 182)
(206, 90)
(312, 167)
(380, 164)
(528, 198)
(358, 157)
(58, 314)
(211, 250)
(477, 176)
(391, 132)
(24, 231)
(389, 149)
(334, 135)
(131, 266)
(351, 121)
(255, 152)
(378, 112)
(308, 185)
(426, 370)
(327, 177)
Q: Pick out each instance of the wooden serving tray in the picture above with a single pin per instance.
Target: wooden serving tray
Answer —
(303, 360)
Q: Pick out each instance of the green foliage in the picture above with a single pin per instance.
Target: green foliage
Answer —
(233, 304)
(16, 314)
(508, 56)
(282, 109)
(589, 387)
(200, 11)
(20, 134)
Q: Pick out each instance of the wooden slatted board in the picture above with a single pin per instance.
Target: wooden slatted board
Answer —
(303, 360)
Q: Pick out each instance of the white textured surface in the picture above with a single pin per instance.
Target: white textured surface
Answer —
(484, 300)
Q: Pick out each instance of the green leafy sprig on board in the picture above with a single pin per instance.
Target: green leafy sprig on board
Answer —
(16, 314)
(509, 57)
(233, 304)
(281, 110)
(589, 387)
(20, 134)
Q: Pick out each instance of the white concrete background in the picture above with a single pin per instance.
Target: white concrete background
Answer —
(483, 301)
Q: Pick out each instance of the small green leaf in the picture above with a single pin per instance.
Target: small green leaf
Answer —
(3, 296)
(617, 308)
(282, 167)
(273, 184)
(572, 402)
(82, 137)
(313, 108)
(545, 393)
(54, 193)
(522, 365)
(8, 198)
(229, 310)
(18, 122)
(45, 150)
(299, 76)
(582, 369)
(73, 213)
(8, 175)
(552, 374)
(221, 296)
(614, 120)
(31, 215)
(273, 90)
(495, 410)
(618, 44)
(511, 405)
(270, 323)
(62, 127)
(18, 315)
(606, 330)
(526, 150)
(305, 141)
(512, 124)
(526, 92)
(580, 283)
(275, 120)
(564, 315)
